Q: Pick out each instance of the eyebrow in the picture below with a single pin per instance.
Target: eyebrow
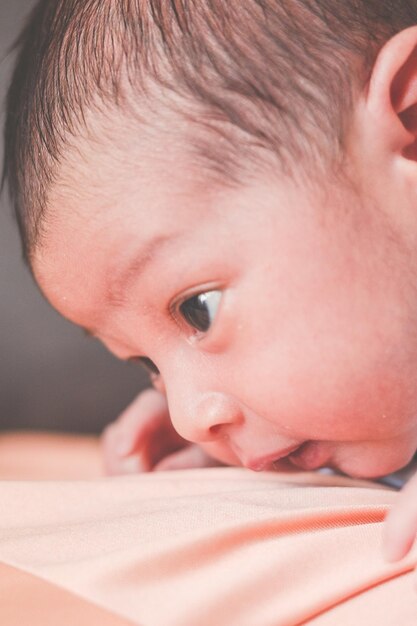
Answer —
(118, 284)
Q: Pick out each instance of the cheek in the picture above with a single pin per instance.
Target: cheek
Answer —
(315, 395)
(323, 347)
(330, 368)
(375, 459)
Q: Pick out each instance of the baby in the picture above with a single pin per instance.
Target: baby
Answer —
(226, 191)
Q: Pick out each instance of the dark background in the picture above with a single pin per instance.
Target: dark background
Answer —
(51, 376)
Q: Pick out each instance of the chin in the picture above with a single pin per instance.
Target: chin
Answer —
(372, 471)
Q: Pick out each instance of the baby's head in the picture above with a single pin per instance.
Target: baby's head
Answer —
(229, 189)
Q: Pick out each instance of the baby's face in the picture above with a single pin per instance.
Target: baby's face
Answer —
(272, 312)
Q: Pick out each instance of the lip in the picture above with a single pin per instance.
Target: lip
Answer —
(310, 456)
(260, 463)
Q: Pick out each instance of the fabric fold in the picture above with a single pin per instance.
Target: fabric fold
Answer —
(212, 546)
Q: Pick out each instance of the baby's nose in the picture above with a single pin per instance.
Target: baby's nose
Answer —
(206, 417)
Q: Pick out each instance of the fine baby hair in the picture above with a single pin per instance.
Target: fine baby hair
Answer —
(172, 164)
(250, 79)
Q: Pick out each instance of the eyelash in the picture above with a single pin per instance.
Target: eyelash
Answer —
(180, 316)
(149, 365)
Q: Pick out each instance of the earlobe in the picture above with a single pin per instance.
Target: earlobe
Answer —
(392, 94)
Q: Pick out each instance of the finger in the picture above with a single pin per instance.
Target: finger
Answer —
(189, 457)
(109, 456)
(132, 465)
(151, 444)
(113, 465)
(143, 417)
(401, 523)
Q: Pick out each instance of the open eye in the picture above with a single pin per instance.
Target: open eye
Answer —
(200, 310)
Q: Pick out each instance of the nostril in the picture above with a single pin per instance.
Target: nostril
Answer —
(215, 430)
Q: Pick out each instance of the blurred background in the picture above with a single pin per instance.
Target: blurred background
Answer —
(51, 375)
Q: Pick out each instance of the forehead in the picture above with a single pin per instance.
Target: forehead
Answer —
(110, 196)
(119, 192)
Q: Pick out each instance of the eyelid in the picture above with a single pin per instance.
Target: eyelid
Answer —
(147, 364)
(156, 379)
(174, 308)
(158, 384)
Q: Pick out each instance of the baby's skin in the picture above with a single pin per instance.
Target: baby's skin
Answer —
(281, 313)
(143, 439)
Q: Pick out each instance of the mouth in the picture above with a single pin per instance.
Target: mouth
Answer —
(267, 462)
(309, 456)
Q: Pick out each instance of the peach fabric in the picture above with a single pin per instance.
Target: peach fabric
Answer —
(219, 546)
(43, 456)
(27, 600)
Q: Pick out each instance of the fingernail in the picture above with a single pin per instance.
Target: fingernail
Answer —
(123, 447)
(390, 554)
(131, 465)
(393, 551)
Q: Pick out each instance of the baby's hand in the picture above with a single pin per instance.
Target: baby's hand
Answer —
(143, 439)
(401, 523)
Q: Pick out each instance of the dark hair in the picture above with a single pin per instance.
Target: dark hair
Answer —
(278, 76)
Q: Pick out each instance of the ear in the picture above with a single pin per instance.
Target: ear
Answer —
(391, 100)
